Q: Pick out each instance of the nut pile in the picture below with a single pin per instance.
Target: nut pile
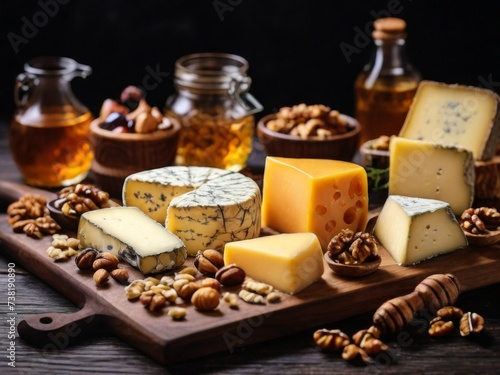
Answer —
(348, 247)
(307, 121)
(81, 198)
(446, 319)
(480, 220)
(381, 143)
(360, 348)
(63, 247)
(201, 286)
(103, 265)
(132, 114)
(30, 215)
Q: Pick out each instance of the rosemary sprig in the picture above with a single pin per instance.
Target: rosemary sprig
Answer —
(378, 176)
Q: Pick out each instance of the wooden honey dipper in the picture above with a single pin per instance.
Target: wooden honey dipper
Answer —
(433, 293)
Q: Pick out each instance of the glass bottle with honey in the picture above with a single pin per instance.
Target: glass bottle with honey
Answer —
(215, 109)
(49, 130)
(385, 88)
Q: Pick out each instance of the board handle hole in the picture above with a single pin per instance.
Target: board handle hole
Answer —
(46, 320)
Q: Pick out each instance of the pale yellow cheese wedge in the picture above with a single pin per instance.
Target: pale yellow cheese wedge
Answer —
(314, 195)
(426, 170)
(455, 115)
(416, 229)
(289, 262)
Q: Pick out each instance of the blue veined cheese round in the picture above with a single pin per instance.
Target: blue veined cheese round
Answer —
(205, 207)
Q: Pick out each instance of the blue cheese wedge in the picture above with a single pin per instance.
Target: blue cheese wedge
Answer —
(416, 229)
(455, 115)
(205, 207)
(132, 236)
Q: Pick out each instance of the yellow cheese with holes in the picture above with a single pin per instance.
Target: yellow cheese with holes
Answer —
(455, 115)
(426, 170)
(289, 262)
(314, 195)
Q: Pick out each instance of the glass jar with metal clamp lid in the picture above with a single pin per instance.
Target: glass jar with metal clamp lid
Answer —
(215, 109)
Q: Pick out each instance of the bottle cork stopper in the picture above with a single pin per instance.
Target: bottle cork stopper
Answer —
(389, 28)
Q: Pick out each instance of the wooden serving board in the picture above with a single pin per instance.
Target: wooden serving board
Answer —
(329, 300)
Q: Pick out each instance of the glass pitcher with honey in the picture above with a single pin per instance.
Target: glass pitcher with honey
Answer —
(49, 130)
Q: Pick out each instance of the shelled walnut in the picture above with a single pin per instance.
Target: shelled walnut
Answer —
(307, 121)
(63, 247)
(81, 198)
(352, 248)
(480, 220)
(29, 215)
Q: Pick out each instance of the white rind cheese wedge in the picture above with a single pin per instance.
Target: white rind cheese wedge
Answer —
(289, 262)
(205, 207)
(416, 229)
(426, 170)
(455, 115)
(132, 236)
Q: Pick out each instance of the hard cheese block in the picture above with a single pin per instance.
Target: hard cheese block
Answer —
(289, 262)
(133, 236)
(415, 229)
(455, 115)
(426, 170)
(205, 207)
(314, 195)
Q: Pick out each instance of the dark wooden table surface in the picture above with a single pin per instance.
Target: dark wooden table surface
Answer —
(294, 354)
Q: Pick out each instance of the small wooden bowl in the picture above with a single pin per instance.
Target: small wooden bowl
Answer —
(370, 158)
(481, 240)
(353, 270)
(118, 155)
(339, 147)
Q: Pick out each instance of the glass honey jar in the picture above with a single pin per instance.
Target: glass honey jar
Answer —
(215, 109)
(385, 88)
(49, 130)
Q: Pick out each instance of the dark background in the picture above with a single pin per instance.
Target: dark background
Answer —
(293, 47)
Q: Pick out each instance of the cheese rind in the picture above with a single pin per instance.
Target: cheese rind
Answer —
(455, 115)
(416, 229)
(289, 262)
(132, 236)
(426, 170)
(205, 207)
(222, 210)
(314, 195)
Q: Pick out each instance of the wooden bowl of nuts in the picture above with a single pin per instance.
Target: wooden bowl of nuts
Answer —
(375, 153)
(128, 141)
(313, 131)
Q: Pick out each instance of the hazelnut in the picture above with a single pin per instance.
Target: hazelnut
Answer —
(105, 260)
(120, 275)
(208, 261)
(187, 290)
(205, 299)
(85, 258)
(230, 275)
(101, 277)
(211, 282)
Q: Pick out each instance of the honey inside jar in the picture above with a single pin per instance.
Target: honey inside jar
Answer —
(215, 141)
